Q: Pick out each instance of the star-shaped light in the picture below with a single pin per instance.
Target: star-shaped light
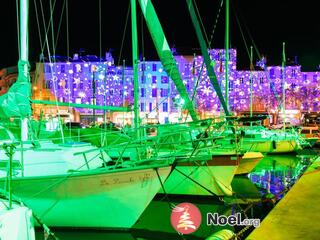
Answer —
(62, 83)
(76, 80)
(82, 94)
(206, 90)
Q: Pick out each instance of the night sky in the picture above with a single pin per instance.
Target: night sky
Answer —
(265, 23)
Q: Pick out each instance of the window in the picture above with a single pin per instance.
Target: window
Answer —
(293, 73)
(271, 85)
(164, 79)
(150, 107)
(261, 80)
(132, 93)
(143, 79)
(111, 92)
(154, 67)
(315, 78)
(305, 77)
(272, 73)
(63, 69)
(143, 67)
(154, 92)
(231, 85)
(165, 107)
(47, 84)
(154, 79)
(48, 68)
(121, 93)
(241, 80)
(163, 92)
(142, 92)
(142, 107)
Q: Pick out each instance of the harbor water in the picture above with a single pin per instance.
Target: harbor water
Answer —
(255, 195)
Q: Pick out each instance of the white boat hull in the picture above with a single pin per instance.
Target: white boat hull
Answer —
(191, 178)
(268, 146)
(97, 200)
(248, 162)
(16, 223)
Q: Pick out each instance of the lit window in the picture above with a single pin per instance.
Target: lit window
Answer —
(165, 107)
(164, 79)
(154, 79)
(154, 92)
(154, 67)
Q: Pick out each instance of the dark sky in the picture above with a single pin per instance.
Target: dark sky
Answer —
(266, 23)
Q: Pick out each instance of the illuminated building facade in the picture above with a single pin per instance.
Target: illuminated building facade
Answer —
(104, 83)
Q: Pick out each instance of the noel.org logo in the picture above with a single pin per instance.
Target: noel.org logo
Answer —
(185, 218)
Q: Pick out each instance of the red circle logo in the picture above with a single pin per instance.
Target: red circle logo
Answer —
(185, 218)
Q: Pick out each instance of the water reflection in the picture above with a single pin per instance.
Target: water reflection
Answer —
(276, 174)
(273, 175)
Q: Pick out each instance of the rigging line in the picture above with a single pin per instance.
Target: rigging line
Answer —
(259, 57)
(60, 22)
(124, 34)
(142, 34)
(51, 65)
(100, 32)
(52, 27)
(38, 23)
(18, 27)
(242, 34)
(67, 23)
(44, 25)
(201, 23)
(209, 46)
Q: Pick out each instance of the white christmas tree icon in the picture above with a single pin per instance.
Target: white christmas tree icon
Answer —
(185, 221)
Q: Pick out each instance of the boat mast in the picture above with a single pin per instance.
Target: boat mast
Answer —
(165, 54)
(283, 86)
(226, 53)
(251, 82)
(209, 63)
(135, 64)
(23, 65)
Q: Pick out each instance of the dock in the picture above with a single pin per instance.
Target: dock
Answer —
(297, 215)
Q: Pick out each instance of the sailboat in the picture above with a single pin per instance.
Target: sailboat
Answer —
(15, 219)
(196, 172)
(260, 139)
(71, 184)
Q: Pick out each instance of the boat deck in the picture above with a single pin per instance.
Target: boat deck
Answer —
(296, 216)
